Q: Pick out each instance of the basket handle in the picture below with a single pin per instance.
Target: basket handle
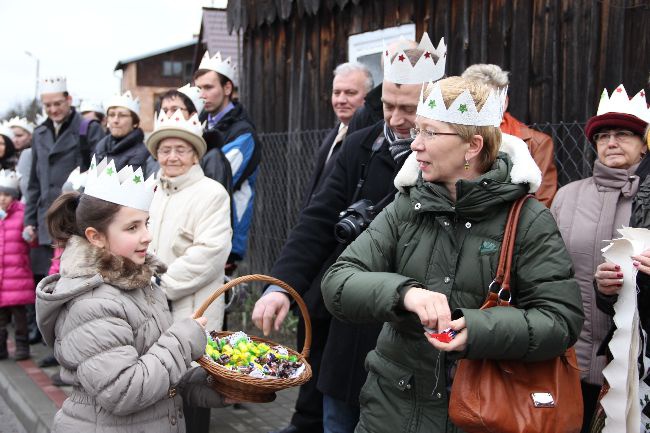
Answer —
(265, 278)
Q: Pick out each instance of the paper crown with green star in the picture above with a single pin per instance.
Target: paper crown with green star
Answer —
(401, 71)
(126, 187)
(462, 110)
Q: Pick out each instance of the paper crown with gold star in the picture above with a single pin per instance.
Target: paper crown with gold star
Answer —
(9, 180)
(56, 84)
(126, 187)
(21, 122)
(194, 93)
(620, 102)
(225, 67)
(462, 110)
(126, 100)
(401, 71)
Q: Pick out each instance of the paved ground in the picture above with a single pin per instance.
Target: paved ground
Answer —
(8, 420)
(33, 400)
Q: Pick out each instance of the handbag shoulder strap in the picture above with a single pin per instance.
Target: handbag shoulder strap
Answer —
(499, 291)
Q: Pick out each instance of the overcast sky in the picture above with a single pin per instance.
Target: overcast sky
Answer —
(84, 40)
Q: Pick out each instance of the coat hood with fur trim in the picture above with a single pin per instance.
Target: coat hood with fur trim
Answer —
(524, 169)
(85, 267)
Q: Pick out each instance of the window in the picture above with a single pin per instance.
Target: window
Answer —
(368, 47)
(172, 68)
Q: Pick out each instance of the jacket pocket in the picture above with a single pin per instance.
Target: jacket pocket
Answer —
(387, 398)
(182, 241)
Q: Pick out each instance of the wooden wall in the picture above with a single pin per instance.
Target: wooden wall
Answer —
(561, 53)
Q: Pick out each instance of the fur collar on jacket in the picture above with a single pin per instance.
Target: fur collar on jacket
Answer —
(524, 168)
(82, 259)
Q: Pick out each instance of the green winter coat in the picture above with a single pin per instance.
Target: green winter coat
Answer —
(423, 238)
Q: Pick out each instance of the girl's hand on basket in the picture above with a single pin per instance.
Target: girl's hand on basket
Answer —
(431, 307)
(203, 321)
(609, 278)
(458, 343)
(273, 305)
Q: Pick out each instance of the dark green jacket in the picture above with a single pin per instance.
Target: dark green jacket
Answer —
(424, 238)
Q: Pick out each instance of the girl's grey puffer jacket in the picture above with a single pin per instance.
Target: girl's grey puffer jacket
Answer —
(112, 333)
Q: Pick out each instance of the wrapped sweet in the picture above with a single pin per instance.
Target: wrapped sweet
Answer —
(238, 352)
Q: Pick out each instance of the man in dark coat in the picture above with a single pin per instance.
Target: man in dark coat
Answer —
(370, 157)
(59, 145)
(351, 83)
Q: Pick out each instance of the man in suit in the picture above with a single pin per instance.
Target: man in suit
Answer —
(351, 83)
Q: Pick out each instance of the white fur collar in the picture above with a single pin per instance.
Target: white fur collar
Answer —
(524, 168)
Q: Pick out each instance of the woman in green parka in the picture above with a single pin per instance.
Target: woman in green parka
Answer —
(427, 261)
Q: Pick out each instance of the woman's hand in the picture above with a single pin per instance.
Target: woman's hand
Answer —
(203, 321)
(459, 342)
(609, 278)
(642, 262)
(431, 307)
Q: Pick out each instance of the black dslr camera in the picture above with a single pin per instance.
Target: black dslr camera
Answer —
(354, 220)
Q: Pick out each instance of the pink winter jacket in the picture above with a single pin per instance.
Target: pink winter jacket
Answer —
(16, 281)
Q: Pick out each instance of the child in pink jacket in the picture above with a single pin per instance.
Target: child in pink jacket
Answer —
(16, 282)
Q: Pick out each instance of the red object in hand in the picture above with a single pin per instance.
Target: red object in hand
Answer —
(445, 336)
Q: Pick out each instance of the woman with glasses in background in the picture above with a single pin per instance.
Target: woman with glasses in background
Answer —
(591, 210)
(125, 142)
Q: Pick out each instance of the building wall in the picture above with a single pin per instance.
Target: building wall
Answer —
(561, 53)
(145, 80)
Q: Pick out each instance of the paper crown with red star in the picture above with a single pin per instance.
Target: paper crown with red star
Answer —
(399, 70)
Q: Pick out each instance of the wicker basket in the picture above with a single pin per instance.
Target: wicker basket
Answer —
(239, 386)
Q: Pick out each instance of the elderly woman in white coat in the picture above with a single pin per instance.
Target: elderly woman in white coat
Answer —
(190, 226)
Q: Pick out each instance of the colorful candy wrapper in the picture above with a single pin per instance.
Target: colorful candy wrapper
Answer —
(444, 336)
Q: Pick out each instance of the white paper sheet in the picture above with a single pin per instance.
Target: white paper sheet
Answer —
(621, 404)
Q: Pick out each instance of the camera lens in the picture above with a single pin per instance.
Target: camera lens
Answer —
(346, 230)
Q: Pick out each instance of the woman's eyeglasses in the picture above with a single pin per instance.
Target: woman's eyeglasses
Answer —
(428, 134)
(621, 136)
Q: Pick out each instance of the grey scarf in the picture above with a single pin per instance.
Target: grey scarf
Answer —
(399, 147)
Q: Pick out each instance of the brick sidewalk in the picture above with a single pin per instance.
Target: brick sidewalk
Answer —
(43, 399)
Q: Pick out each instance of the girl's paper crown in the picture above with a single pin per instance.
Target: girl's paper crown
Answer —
(126, 187)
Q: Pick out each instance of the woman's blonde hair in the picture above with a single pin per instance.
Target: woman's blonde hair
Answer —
(451, 88)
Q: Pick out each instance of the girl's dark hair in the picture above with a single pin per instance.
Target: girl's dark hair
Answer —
(72, 213)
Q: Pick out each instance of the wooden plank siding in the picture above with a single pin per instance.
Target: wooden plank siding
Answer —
(561, 53)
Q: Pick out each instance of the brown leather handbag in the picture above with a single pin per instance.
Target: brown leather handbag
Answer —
(514, 396)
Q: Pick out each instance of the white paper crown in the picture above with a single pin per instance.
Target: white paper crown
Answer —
(41, 117)
(126, 187)
(225, 67)
(194, 93)
(177, 121)
(9, 179)
(463, 110)
(53, 85)
(400, 70)
(619, 102)
(6, 130)
(90, 105)
(76, 181)
(126, 100)
(21, 122)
